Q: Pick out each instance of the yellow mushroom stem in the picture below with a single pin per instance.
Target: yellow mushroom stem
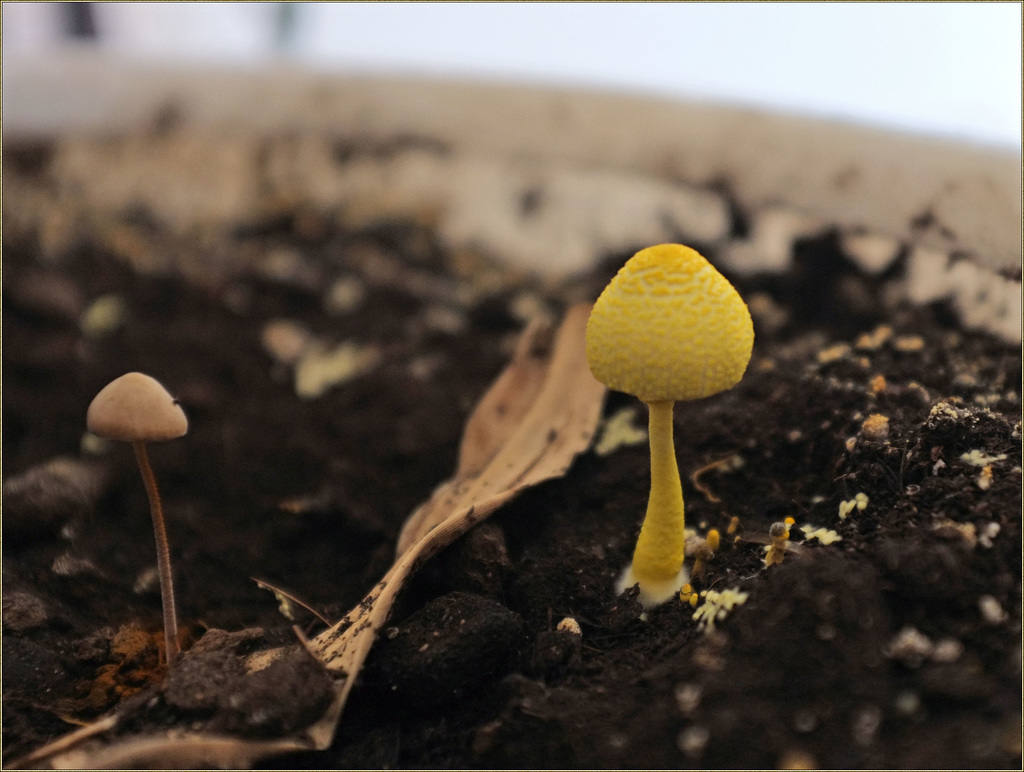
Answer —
(163, 553)
(661, 547)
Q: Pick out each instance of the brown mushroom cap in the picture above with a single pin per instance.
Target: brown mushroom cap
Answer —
(136, 407)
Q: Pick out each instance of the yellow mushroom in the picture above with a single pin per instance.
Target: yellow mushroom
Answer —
(668, 327)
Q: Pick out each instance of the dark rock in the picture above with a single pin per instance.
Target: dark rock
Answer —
(553, 649)
(31, 670)
(479, 562)
(23, 611)
(202, 680)
(94, 647)
(448, 649)
(291, 693)
(39, 501)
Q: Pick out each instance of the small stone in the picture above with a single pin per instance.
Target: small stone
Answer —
(870, 341)
(833, 353)
(94, 647)
(866, 723)
(238, 641)
(197, 682)
(990, 610)
(68, 564)
(909, 343)
(693, 740)
(40, 501)
(285, 340)
(23, 611)
(987, 532)
(947, 650)
(907, 703)
(477, 640)
(322, 368)
(103, 316)
(147, 582)
(344, 296)
(910, 646)
(479, 561)
(688, 697)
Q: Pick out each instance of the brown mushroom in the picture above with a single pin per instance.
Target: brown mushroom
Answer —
(135, 408)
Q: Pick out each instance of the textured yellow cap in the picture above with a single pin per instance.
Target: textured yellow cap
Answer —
(669, 327)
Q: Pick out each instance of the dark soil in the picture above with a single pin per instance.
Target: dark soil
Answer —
(898, 646)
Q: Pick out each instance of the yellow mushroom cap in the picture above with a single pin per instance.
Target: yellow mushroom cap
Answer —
(669, 327)
(136, 407)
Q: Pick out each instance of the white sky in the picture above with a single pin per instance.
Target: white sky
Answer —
(952, 69)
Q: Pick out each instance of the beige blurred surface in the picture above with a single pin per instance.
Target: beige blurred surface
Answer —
(614, 168)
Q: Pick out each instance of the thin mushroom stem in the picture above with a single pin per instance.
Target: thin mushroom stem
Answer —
(660, 549)
(163, 553)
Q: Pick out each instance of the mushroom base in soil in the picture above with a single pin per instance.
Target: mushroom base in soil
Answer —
(667, 328)
(136, 408)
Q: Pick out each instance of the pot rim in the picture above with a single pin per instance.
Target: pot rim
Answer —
(954, 197)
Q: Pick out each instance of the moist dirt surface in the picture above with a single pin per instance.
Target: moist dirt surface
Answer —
(327, 382)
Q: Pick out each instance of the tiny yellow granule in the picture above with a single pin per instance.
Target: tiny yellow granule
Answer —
(824, 535)
(858, 502)
(985, 478)
(979, 458)
(832, 353)
(875, 427)
(873, 340)
(717, 606)
(909, 343)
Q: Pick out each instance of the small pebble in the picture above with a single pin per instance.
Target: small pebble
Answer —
(907, 703)
(688, 697)
(41, 500)
(910, 646)
(866, 723)
(344, 296)
(23, 611)
(990, 610)
(285, 340)
(103, 316)
(947, 650)
(321, 369)
(869, 341)
(908, 343)
(693, 740)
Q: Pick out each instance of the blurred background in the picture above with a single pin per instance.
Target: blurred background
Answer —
(945, 69)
